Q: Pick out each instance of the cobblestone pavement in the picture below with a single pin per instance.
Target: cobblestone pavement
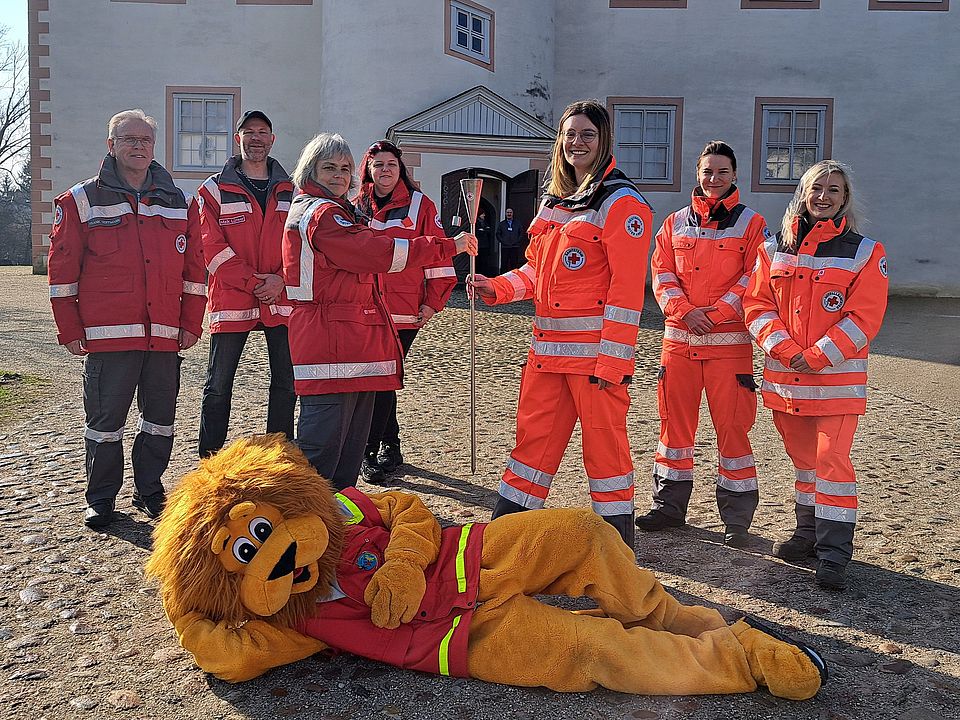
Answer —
(84, 636)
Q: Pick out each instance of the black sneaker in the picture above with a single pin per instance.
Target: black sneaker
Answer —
(370, 469)
(736, 536)
(831, 575)
(150, 505)
(795, 548)
(656, 520)
(97, 516)
(390, 457)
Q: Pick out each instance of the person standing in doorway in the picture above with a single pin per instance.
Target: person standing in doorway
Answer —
(509, 235)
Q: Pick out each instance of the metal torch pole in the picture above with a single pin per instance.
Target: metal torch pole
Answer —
(470, 187)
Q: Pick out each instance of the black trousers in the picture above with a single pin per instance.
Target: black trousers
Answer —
(332, 433)
(384, 426)
(225, 351)
(110, 380)
(509, 258)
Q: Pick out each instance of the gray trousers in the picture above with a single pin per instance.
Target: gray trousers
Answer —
(110, 380)
(332, 432)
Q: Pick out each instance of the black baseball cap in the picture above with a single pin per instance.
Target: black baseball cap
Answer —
(254, 114)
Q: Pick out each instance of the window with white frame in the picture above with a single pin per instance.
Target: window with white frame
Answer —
(203, 130)
(793, 139)
(471, 31)
(646, 137)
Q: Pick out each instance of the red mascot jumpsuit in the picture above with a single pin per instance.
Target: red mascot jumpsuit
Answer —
(825, 300)
(585, 271)
(703, 258)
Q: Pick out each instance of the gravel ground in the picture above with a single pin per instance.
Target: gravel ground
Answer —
(84, 636)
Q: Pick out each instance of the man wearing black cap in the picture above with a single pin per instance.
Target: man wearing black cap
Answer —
(242, 213)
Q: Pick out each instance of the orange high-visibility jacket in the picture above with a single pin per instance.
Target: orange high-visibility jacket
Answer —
(125, 267)
(826, 300)
(704, 258)
(585, 270)
(239, 240)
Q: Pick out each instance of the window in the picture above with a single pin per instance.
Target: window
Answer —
(790, 135)
(930, 5)
(647, 135)
(648, 3)
(469, 32)
(780, 4)
(200, 127)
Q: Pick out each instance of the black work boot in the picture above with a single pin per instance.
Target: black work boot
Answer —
(624, 526)
(658, 520)
(802, 544)
(150, 505)
(736, 536)
(370, 469)
(505, 507)
(390, 457)
(831, 575)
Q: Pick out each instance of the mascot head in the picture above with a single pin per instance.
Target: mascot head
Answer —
(253, 532)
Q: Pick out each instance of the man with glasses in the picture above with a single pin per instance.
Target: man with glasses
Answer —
(242, 212)
(127, 289)
(509, 236)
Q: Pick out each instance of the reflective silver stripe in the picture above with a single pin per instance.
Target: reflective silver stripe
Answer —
(803, 498)
(99, 436)
(611, 484)
(234, 315)
(838, 514)
(671, 292)
(613, 507)
(192, 288)
(805, 476)
(440, 272)
(401, 248)
(531, 474)
(556, 349)
(282, 310)
(847, 366)
(531, 502)
(736, 463)
(622, 315)
(682, 227)
(817, 392)
(684, 453)
(219, 259)
(784, 260)
(761, 322)
(617, 350)
(344, 371)
(411, 217)
(744, 280)
(837, 489)
(774, 339)
(528, 270)
(211, 186)
(235, 207)
(720, 338)
(569, 324)
(519, 289)
(65, 290)
(162, 211)
(154, 429)
(661, 278)
(283, 206)
(734, 301)
(668, 473)
(110, 211)
(596, 217)
(164, 331)
(743, 485)
(849, 328)
(83, 203)
(405, 318)
(854, 264)
(110, 332)
(304, 291)
(829, 348)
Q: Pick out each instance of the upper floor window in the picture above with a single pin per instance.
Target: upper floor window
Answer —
(469, 32)
(647, 135)
(780, 4)
(942, 5)
(203, 131)
(792, 135)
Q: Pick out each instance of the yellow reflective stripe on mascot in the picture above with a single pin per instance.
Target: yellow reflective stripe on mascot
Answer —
(445, 647)
(349, 508)
(461, 565)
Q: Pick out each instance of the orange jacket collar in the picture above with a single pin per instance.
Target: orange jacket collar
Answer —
(708, 210)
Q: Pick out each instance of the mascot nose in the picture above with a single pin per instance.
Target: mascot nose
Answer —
(286, 564)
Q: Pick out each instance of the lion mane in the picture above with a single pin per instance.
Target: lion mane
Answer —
(260, 469)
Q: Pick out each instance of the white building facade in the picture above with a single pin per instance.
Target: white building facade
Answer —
(473, 88)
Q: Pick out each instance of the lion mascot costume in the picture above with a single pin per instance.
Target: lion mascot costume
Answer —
(260, 564)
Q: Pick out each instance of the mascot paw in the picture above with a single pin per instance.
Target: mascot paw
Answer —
(395, 593)
(789, 669)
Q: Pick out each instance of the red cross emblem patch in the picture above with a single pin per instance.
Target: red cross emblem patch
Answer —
(634, 226)
(573, 258)
(832, 301)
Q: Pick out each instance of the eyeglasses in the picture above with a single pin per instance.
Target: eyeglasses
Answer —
(586, 136)
(134, 140)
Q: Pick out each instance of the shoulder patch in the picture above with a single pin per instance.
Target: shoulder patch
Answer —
(342, 221)
(181, 244)
(766, 232)
(881, 265)
(634, 226)
(436, 220)
(58, 215)
(832, 301)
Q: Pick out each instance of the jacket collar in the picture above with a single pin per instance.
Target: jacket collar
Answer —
(718, 211)
(159, 181)
(363, 202)
(315, 189)
(820, 231)
(275, 172)
(582, 199)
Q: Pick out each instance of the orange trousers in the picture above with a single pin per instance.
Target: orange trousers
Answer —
(733, 408)
(550, 404)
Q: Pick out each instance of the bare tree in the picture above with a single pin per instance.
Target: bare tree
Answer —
(14, 100)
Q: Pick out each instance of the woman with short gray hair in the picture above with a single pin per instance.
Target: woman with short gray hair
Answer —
(343, 343)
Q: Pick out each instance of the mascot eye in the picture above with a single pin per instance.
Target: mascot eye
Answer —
(244, 550)
(260, 528)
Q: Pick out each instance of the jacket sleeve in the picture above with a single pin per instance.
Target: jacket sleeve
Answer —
(663, 266)
(730, 304)
(439, 278)
(194, 297)
(862, 316)
(627, 260)
(762, 315)
(221, 259)
(358, 249)
(518, 284)
(67, 247)
(414, 531)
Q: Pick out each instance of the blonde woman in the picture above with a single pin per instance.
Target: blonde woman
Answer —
(814, 303)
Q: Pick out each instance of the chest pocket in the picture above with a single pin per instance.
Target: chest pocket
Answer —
(580, 275)
(831, 286)
(684, 250)
(103, 238)
(730, 257)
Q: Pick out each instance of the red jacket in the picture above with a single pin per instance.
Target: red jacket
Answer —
(585, 271)
(827, 300)
(240, 240)
(435, 641)
(341, 335)
(409, 215)
(125, 268)
(704, 257)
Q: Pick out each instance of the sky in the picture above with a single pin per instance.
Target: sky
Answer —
(13, 14)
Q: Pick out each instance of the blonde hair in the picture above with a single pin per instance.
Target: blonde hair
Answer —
(798, 205)
(121, 117)
(563, 178)
(324, 146)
